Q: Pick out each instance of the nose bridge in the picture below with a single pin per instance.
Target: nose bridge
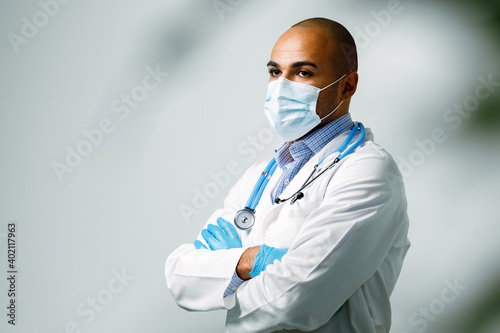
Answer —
(287, 75)
(280, 84)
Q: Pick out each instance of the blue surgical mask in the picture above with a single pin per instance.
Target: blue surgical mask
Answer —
(290, 107)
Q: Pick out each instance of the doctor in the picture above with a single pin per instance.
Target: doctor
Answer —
(316, 242)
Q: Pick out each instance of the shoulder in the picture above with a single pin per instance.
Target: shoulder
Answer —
(256, 168)
(371, 161)
(253, 172)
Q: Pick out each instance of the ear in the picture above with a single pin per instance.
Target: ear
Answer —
(349, 86)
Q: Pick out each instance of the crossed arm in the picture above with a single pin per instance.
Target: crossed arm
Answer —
(359, 221)
(253, 261)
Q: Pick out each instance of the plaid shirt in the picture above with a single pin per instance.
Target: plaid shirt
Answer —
(291, 157)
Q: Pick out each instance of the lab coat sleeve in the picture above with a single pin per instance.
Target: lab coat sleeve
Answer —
(340, 246)
(197, 279)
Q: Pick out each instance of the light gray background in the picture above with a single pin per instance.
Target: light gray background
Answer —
(120, 208)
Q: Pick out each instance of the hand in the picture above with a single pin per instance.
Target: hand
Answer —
(255, 260)
(266, 256)
(220, 237)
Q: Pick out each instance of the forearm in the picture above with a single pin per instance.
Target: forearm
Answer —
(197, 279)
(245, 264)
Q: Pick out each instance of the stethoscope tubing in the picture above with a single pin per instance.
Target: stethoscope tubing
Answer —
(344, 152)
(344, 144)
(245, 218)
(342, 149)
(261, 184)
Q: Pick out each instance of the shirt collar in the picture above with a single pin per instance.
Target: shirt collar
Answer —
(312, 143)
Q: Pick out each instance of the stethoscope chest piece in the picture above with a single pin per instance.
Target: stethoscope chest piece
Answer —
(244, 218)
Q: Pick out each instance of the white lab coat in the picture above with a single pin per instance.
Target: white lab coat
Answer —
(347, 239)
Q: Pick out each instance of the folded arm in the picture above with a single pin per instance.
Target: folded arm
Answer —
(198, 278)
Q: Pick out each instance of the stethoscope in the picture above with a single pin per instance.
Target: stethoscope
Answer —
(245, 218)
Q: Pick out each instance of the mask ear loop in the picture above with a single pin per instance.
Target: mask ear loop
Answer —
(332, 111)
(331, 84)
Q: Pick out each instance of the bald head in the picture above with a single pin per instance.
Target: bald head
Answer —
(345, 56)
(318, 52)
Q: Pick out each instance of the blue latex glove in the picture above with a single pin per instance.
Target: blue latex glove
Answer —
(266, 256)
(221, 237)
(199, 245)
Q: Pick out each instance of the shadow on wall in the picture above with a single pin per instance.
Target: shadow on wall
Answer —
(484, 113)
(485, 314)
(173, 39)
(487, 116)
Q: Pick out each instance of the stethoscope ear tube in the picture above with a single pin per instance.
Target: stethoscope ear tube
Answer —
(343, 153)
(296, 197)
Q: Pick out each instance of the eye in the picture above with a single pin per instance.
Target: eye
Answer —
(274, 72)
(303, 73)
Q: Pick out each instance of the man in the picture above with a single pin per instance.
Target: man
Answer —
(327, 259)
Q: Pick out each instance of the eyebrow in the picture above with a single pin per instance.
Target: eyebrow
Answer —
(294, 65)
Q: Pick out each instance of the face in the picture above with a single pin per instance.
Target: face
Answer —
(307, 55)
